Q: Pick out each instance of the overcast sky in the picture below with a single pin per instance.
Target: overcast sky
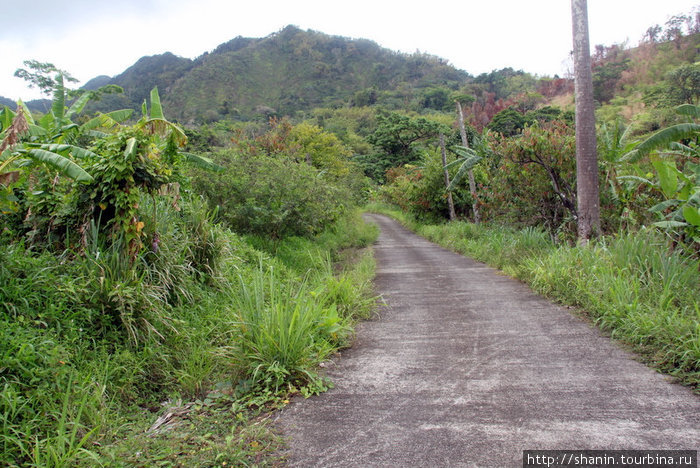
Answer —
(97, 37)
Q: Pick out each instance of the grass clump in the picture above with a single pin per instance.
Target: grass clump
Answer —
(632, 286)
(280, 332)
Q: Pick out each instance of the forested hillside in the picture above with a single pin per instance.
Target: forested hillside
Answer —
(289, 71)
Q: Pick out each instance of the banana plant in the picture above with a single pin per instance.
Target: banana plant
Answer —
(55, 156)
(16, 154)
(170, 136)
(680, 188)
(50, 140)
(467, 159)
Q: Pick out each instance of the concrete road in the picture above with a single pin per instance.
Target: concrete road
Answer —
(467, 367)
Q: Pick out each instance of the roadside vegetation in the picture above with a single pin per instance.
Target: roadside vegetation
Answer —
(640, 278)
(137, 327)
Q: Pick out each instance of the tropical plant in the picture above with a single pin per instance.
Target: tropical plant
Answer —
(54, 140)
(465, 144)
(620, 197)
(680, 186)
(398, 138)
(532, 177)
(466, 160)
(16, 155)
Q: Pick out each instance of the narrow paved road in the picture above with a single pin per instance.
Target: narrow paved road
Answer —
(466, 367)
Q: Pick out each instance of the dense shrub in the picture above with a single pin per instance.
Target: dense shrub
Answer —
(420, 189)
(532, 179)
(260, 194)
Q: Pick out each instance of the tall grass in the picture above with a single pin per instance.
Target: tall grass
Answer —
(90, 339)
(631, 284)
(280, 332)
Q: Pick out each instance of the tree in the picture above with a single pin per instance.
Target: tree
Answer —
(532, 182)
(653, 33)
(508, 122)
(606, 77)
(397, 136)
(450, 201)
(684, 84)
(674, 29)
(465, 144)
(586, 156)
(43, 76)
(435, 98)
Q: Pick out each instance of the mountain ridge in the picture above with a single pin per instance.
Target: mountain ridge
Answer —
(282, 73)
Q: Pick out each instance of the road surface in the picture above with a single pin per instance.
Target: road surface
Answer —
(467, 367)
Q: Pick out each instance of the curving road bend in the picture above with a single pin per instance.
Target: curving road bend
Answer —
(467, 367)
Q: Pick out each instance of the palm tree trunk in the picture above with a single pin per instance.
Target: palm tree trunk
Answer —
(586, 156)
(472, 183)
(450, 201)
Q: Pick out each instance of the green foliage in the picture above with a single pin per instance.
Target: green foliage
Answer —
(508, 122)
(56, 143)
(44, 76)
(128, 166)
(511, 121)
(283, 180)
(504, 82)
(549, 114)
(680, 187)
(280, 332)
(532, 180)
(468, 158)
(684, 84)
(437, 98)
(322, 150)
(635, 289)
(623, 204)
(400, 139)
(263, 194)
(606, 77)
(85, 337)
(421, 191)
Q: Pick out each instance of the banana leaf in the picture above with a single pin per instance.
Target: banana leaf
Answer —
(201, 162)
(62, 164)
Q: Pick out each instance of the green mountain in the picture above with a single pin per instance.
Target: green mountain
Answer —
(298, 70)
(288, 71)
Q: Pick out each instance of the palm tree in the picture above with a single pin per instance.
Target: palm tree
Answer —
(586, 156)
